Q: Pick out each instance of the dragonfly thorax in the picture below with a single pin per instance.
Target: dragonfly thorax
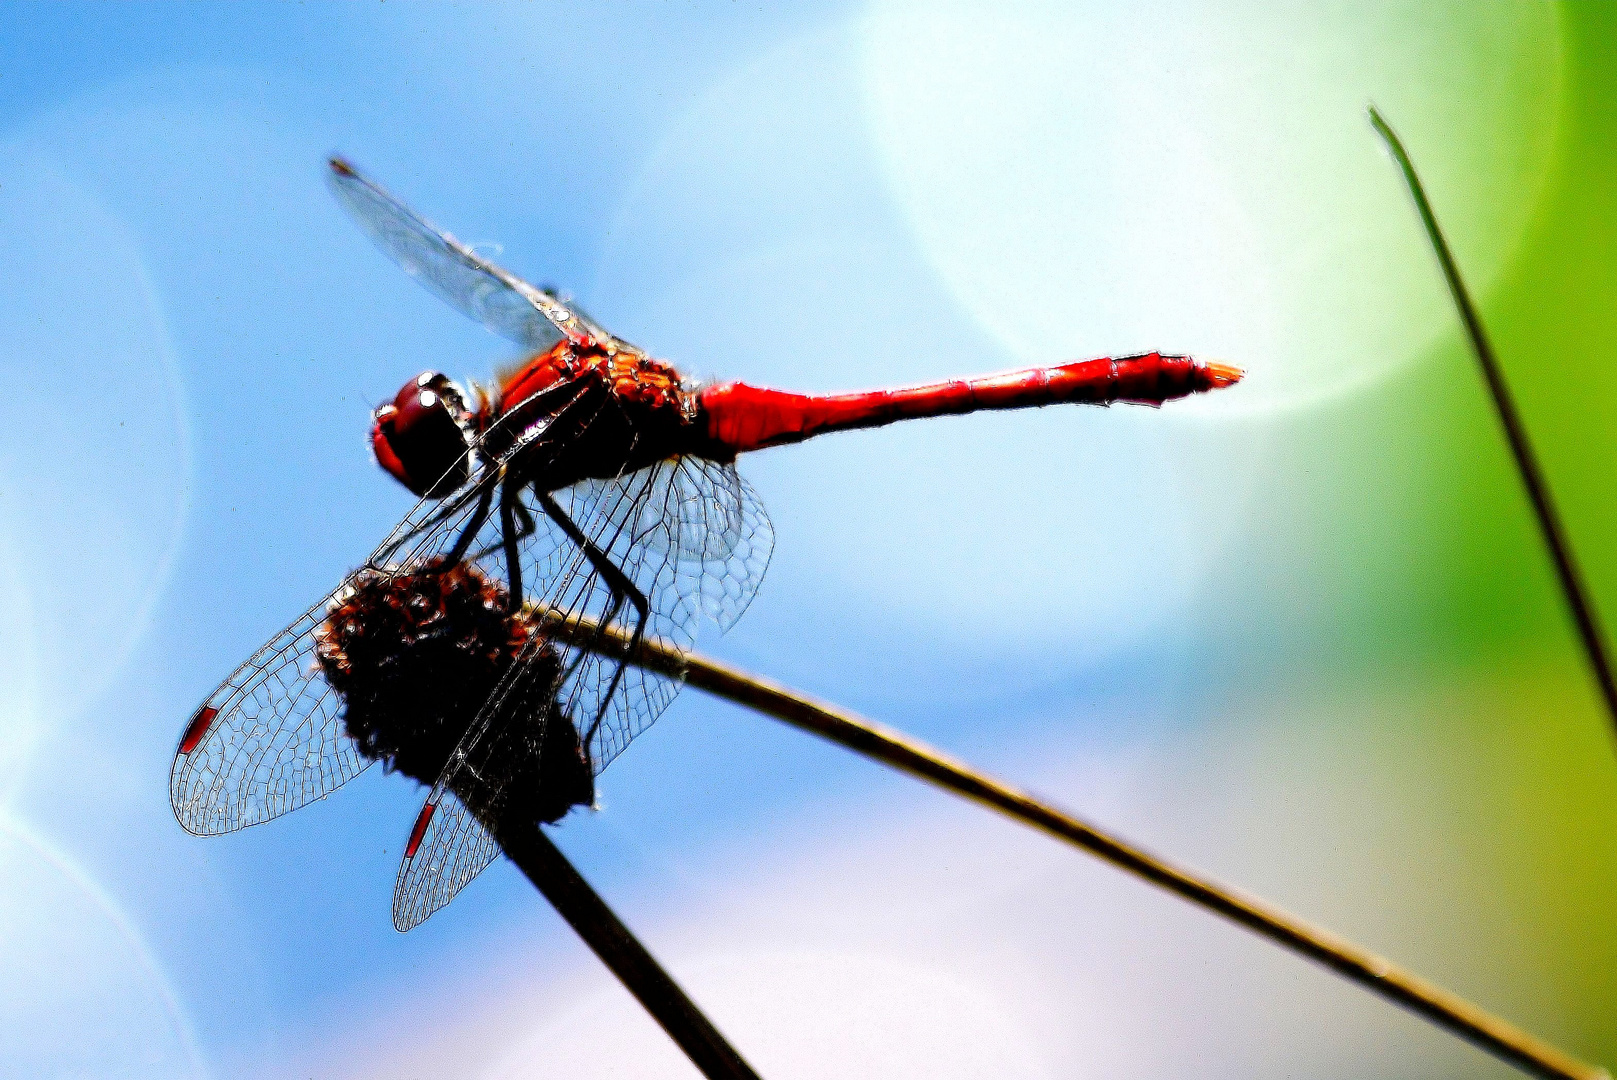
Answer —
(421, 438)
(604, 411)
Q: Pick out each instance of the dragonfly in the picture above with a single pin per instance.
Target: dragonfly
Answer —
(591, 481)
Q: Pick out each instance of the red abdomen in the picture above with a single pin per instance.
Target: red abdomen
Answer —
(738, 417)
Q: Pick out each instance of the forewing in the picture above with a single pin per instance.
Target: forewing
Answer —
(453, 848)
(450, 843)
(270, 738)
(693, 538)
(493, 296)
(267, 741)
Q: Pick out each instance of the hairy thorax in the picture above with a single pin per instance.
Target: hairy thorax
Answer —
(590, 412)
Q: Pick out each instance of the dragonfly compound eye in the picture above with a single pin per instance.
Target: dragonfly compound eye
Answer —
(421, 437)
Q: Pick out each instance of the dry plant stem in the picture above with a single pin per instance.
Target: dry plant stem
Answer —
(902, 752)
(623, 954)
(1549, 522)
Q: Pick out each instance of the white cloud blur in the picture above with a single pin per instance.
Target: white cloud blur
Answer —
(1202, 178)
(82, 993)
(95, 452)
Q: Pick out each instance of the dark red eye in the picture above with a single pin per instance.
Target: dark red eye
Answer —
(419, 439)
(382, 446)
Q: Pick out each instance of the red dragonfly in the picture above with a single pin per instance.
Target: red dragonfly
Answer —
(594, 481)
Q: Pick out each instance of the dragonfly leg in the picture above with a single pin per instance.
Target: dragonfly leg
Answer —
(512, 467)
(525, 523)
(469, 533)
(510, 496)
(617, 582)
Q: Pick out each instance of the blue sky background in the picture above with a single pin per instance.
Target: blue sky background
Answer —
(1224, 627)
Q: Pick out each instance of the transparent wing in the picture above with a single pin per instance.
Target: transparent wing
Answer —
(493, 296)
(453, 836)
(270, 738)
(693, 539)
(454, 848)
(735, 534)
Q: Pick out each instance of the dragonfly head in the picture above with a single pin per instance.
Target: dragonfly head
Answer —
(421, 438)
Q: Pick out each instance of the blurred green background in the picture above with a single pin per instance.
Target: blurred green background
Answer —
(1473, 711)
